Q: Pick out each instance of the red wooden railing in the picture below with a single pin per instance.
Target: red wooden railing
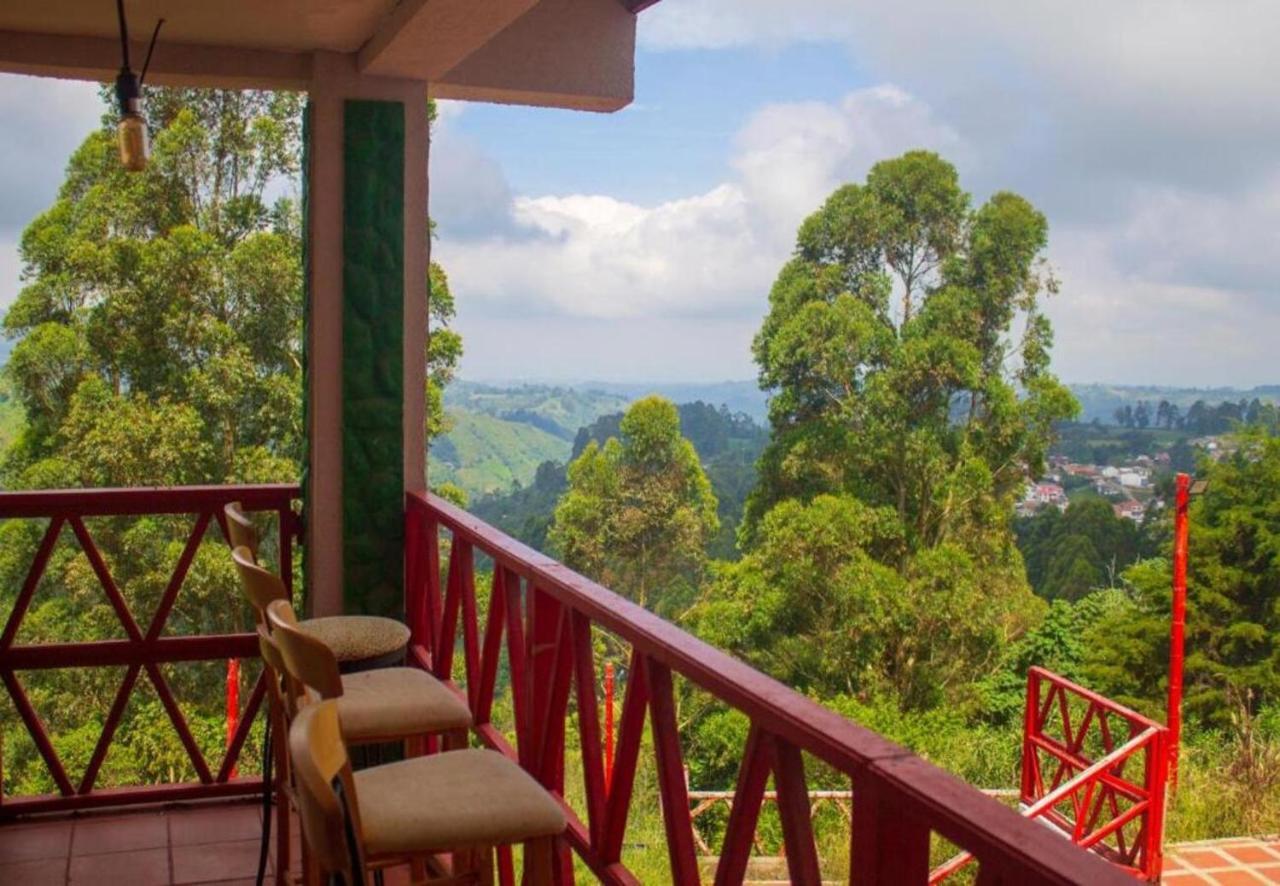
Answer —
(1076, 748)
(544, 614)
(1119, 811)
(145, 648)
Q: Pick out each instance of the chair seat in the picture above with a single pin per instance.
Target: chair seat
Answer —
(355, 637)
(460, 798)
(391, 703)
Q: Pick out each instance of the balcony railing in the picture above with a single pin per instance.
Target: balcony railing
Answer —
(146, 645)
(546, 618)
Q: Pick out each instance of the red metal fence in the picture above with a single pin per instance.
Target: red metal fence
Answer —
(1077, 746)
(1116, 758)
(145, 647)
(544, 614)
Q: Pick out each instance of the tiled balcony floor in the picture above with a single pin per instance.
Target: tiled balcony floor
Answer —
(153, 847)
(218, 844)
(206, 843)
(1237, 860)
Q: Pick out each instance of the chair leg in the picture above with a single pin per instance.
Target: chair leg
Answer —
(484, 865)
(539, 859)
(283, 854)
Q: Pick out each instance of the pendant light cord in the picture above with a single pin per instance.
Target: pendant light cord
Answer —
(150, 49)
(124, 33)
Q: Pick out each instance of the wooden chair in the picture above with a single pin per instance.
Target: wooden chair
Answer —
(351, 638)
(463, 802)
(240, 528)
(383, 705)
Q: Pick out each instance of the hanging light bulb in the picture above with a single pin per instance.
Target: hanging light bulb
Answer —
(132, 129)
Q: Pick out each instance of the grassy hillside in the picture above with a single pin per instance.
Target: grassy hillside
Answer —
(485, 453)
(557, 410)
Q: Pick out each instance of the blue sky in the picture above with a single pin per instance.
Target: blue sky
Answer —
(641, 245)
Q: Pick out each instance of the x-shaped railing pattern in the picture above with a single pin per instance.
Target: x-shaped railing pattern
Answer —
(1069, 731)
(542, 615)
(140, 651)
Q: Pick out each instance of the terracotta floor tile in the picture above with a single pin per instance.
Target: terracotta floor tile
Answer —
(29, 841)
(1203, 858)
(35, 872)
(1237, 878)
(141, 867)
(1269, 872)
(397, 876)
(1183, 879)
(119, 833)
(218, 824)
(212, 862)
(1250, 854)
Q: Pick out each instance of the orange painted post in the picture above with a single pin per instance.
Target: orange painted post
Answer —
(1177, 630)
(233, 703)
(608, 724)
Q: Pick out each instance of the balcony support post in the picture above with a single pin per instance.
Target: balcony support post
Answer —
(365, 338)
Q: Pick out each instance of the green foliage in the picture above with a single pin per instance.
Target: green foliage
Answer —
(559, 411)
(821, 603)
(922, 420)
(484, 454)
(1068, 554)
(168, 301)
(1233, 597)
(639, 511)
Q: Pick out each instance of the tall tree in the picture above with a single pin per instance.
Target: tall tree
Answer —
(932, 416)
(639, 511)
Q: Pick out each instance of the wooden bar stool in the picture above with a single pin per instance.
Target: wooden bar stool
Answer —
(464, 802)
(370, 640)
(388, 704)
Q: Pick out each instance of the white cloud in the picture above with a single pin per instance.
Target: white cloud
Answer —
(1077, 93)
(710, 254)
(44, 121)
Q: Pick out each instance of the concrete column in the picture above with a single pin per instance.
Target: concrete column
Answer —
(367, 256)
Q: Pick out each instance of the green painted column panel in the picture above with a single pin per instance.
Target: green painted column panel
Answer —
(373, 358)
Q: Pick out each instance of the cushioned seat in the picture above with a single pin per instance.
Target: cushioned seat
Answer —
(391, 703)
(462, 798)
(355, 637)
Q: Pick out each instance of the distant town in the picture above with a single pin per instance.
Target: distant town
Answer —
(1130, 484)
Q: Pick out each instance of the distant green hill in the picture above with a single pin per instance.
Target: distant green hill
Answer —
(555, 409)
(484, 453)
(1100, 401)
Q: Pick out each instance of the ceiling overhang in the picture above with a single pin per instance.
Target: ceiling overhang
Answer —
(558, 53)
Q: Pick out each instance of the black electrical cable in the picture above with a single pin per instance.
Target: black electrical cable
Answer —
(266, 802)
(124, 33)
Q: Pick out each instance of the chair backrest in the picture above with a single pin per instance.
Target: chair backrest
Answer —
(260, 586)
(279, 682)
(319, 759)
(306, 658)
(282, 692)
(240, 528)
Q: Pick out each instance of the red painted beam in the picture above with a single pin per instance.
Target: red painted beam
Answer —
(162, 793)
(110, 653)
(144, 500)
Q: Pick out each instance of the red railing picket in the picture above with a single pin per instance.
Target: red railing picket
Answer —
(589, 724)
(630, 731)
(672, 789)
(795, 812)
(744, 813)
